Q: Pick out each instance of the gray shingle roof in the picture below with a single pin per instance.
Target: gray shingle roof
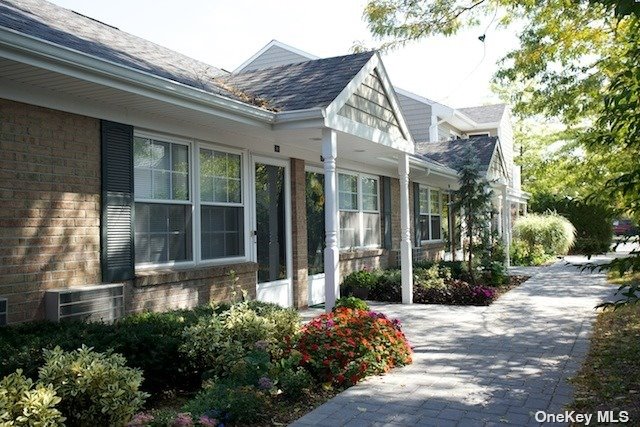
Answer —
(451, 152)
(485, 113)
(291, 87)
(303, 85)
(66, 28)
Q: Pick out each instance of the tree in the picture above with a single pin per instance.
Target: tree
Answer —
(473, 200)
(577, 62)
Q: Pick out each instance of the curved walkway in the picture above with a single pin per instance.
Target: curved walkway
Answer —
(481, 366)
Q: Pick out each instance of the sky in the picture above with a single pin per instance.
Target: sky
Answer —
(455, 71)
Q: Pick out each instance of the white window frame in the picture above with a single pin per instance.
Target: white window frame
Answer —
(359, 210)
(429, 213)
(478, 135)
(194, 146)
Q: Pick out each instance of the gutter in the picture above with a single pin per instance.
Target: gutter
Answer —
(53, 57)
(434, 168)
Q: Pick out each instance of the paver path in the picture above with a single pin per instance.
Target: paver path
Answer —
(476, 366)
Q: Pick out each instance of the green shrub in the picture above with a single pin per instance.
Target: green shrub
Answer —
(149, 341)
(96, 388)
(593, 222)
(351, 302)
(389, 287)
(430, 277)
(242, 404)
(495, 274)
(553, 232)
(218, 343)
(359, 280)
(23, 404)
(522, 254)
(294, 382)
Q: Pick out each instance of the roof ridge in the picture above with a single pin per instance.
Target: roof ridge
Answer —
(369, 53)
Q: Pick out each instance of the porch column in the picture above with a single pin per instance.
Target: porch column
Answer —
(406, 263)
(506, 227)
(331, 251)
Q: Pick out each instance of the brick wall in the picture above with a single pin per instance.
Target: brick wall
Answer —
(170, 289)
(369, 259)
(299, 234)
(49, 204)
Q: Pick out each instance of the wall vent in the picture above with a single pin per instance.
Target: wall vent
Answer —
(88, 303)
(3, 311)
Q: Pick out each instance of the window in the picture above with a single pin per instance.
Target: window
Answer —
(430, 222)
(163, 206)
(167, 214)
(359, 205)
(221, 210)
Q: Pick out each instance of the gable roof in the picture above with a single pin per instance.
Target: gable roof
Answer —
(300, 86)
(451, 152)
(485, 113)
(275, 47)
(66, 28)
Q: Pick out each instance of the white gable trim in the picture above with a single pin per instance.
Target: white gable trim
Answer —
(346, 125)
(497, 150)
(375, 63)
(438, 108)
(267, 47)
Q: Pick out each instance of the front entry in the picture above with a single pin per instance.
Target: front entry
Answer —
(272, 238)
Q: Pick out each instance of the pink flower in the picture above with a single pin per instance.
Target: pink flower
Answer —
(182, 420)
(207, 421)
(140, 419)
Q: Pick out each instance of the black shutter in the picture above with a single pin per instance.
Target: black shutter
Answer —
(386, 211)
(116, 239)
(416, 213)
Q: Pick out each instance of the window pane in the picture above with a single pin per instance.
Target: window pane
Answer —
(220, 177)
(348, 201)
(162, 233)
(435, 202)
(370, 186)
(160, 155)
(424, 201)
(154, 162)
(161, 184)
(371, 229)
(142, 153)
(347, 183)
(436, 231)
(315, 222)
(424, 227)
(222, 232)
(180, 186)
(180, 158)
(369, 202)
(142, 183)
(349, 229)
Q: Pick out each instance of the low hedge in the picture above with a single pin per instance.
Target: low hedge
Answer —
(148, 341)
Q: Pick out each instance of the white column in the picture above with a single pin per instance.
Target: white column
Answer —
(406, 263)
(331, 251)
(506, 227)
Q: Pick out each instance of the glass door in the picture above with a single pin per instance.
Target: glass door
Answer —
(272, 235)
(314, 191)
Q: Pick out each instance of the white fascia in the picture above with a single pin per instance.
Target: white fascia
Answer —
(434, 168)
(299, 119)
(49, 56)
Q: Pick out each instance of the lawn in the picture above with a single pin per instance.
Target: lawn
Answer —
(610, 379)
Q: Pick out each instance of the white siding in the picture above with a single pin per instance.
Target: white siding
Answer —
(274, 57)
(417, 115)
(370, 106)
(445, 131)
(505, 134)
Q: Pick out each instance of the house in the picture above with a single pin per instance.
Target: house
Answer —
(135, 178)
(433, 126)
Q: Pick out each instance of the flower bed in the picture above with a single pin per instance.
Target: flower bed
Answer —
(249, 363)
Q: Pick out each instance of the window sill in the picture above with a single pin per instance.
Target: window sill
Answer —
(347, 254)
(177, 274)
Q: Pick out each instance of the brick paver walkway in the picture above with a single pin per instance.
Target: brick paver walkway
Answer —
(480, 366)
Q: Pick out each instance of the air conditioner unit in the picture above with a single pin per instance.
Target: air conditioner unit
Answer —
(3, 311)
(89, 303)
